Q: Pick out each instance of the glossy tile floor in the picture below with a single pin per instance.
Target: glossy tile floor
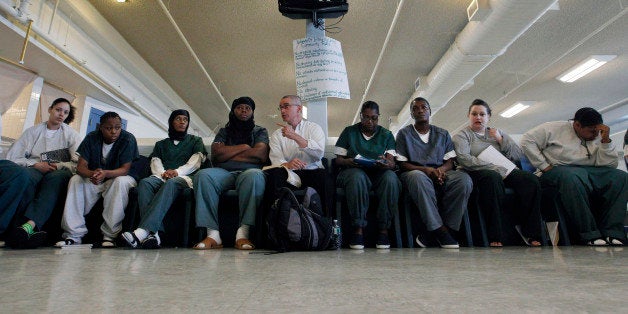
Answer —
(565, 279)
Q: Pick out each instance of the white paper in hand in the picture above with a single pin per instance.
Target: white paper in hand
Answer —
(492, 155)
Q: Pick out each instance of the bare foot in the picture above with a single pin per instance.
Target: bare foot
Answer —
(497, 244)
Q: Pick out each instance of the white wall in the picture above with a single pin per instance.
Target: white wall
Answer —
(91, 43)
(139, 126)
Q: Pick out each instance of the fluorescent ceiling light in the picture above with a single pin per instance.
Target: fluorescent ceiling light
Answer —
(516, 108)
(585, 67)
(478, 10)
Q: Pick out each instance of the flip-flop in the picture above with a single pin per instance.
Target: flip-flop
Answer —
(240, 244)
(207, 244)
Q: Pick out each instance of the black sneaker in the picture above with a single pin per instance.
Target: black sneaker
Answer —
(382, 241)
(445, 240)
(151, 242)
(36, 239)
(357, 242)
(18, 238)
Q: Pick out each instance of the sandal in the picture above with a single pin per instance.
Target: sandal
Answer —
(526, 240)
(495, 244)
(244, 244)
(207, 244)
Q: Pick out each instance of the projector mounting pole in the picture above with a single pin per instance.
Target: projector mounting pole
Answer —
(317, 109)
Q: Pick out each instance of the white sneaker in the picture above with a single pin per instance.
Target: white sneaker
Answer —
(67, 242)
(614, 241)
(597, 242)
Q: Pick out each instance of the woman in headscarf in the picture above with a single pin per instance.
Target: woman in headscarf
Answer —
(173, 162)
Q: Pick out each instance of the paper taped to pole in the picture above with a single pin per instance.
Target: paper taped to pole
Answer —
(320, 68)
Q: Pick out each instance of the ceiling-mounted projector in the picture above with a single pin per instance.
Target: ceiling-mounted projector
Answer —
(313, 9)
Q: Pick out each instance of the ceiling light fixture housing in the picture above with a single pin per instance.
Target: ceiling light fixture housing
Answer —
(585, 67)
(516, 108)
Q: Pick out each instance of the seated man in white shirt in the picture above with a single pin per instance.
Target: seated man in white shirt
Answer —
(297, 146)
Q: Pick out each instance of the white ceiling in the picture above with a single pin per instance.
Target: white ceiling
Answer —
(245, 47)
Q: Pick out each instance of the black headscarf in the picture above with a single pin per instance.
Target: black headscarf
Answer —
(174, 134)
(239, 132)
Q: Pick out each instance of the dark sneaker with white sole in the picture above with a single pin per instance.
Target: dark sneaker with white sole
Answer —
(357, 242)
(382, 241)
(445, 240)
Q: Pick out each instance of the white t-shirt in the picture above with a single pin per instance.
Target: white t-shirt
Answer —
(106, 149)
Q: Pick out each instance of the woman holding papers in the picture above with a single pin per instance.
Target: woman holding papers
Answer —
(487, 154)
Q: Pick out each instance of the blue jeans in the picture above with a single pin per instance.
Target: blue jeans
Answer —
(210, 183)
(155, 198)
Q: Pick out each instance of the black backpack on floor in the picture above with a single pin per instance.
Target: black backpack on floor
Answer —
(298, 227)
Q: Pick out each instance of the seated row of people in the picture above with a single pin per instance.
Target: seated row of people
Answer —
(425, 155)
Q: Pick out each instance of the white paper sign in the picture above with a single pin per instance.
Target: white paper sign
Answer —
(320, 68)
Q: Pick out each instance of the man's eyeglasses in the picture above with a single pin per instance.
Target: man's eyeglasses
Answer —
(285, 106)
(373, 118)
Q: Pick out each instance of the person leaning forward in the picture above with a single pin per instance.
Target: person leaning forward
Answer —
(578, 162)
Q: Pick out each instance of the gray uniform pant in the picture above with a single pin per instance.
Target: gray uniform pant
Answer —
(453, 196)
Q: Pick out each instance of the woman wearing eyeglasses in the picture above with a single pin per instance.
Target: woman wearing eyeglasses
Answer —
(365, 151)
(173, 162)
(491, 179)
